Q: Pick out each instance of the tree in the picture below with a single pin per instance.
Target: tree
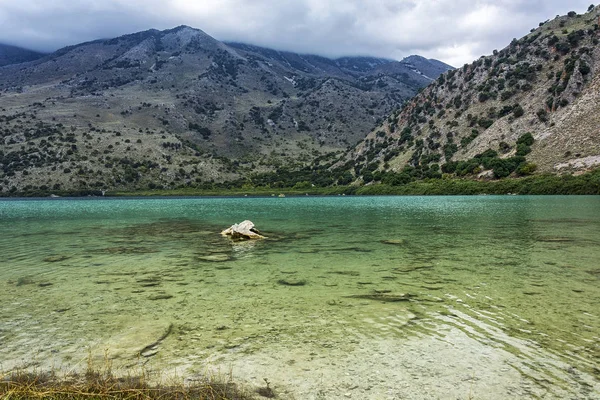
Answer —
(591, 7)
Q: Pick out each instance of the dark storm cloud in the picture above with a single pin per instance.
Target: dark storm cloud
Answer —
(454, 31)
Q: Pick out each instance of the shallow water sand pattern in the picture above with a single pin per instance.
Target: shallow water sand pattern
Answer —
(503, 292)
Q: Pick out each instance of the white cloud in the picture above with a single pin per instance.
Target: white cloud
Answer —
(454, 31)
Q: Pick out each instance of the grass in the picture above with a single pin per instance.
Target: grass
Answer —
(102, 384)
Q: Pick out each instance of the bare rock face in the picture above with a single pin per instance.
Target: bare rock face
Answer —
(243, 230)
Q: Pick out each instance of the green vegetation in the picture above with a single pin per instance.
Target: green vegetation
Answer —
(586, 184)
(401, 184)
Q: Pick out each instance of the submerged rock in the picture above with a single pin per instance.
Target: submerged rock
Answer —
(555, 239)
(128, 250)
(218, 257)
(162, 296)
(292, 282)
(386, 297)
(56, 258)
(25, 280)
(396, 242)
(243, 230)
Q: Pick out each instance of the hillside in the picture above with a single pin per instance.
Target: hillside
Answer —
(15, 55)
(178, 107)
(532, 107)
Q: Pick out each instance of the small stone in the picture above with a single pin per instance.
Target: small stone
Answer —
(149, 353)
(218, 257)
(160, 297)
(292, 282)
(397, 242)
(56, 258)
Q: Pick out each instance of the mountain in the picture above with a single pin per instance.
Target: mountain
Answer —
(531, 107)
(16, 55)
(178, 107)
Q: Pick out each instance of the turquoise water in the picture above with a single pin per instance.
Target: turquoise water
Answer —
(516, 276)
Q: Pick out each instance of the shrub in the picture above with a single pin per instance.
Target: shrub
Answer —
(484, 96)
(449, 167)
(584, 68)
(542, 115)
(504, 147)
(485, 123)
(526, 139)
(518, 111)
(526, 169)
(523, 150)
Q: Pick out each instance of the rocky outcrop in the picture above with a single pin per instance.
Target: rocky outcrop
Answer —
(243, 231)
(545, 84)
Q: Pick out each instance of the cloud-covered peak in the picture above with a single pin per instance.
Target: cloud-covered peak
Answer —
(454, 31)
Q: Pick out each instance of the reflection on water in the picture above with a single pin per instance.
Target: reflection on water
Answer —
(508, 286)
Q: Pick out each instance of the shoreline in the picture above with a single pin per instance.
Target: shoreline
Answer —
(453, 363)
(585, 184)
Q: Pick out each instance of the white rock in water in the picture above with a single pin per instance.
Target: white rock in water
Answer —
(243, 230)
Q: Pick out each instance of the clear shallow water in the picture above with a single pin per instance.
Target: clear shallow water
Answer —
(511, 283)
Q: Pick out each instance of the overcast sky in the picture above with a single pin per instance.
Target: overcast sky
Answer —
(453, 31)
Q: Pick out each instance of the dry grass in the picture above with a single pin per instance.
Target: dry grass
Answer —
(102, 384)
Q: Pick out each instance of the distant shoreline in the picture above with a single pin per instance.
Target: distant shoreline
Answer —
(585, 184)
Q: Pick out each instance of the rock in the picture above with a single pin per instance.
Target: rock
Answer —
(555, 239)
(218, 257)
(56, 258)
(149, 352)
(397, 242)
(295, 282)
(160, 297)
(385, 297)
(26, 280)
(243, 230)
(138, 337)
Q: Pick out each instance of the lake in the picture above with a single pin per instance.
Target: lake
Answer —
(487, 297)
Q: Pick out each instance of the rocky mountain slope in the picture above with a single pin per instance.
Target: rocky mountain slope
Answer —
(15, 55)
(531, 107)
(178, 107)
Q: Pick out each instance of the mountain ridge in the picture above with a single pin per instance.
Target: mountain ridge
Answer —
(16, 55)
(178, 107)
(530, 107)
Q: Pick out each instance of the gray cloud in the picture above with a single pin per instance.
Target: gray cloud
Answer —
(454, 31)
